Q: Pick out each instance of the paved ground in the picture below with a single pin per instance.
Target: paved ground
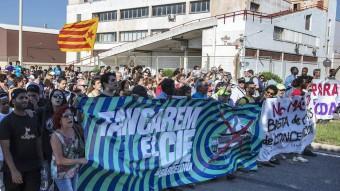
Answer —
(322, 173)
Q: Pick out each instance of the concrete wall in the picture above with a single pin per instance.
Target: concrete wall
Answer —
(37, 47)
(295, 22)
(3, 44)
(215, 50)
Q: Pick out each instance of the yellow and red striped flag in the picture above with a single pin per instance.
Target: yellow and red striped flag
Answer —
(79, 36)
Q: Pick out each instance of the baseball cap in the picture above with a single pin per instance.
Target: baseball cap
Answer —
(33, 88)
(280, 86)
(241, 80)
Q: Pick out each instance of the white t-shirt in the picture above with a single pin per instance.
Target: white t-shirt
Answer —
(2, 116)
(237, 93)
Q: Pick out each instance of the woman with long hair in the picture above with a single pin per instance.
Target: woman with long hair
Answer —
(124, 88)
(68, 150)
(95, 87)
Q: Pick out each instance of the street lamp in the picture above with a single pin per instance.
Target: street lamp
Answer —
(20, 32)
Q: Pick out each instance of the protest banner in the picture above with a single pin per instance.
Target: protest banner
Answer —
(326, 98)
(288, 124)
(144, 144)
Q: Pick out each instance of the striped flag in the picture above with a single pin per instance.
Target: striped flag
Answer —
(80, 36)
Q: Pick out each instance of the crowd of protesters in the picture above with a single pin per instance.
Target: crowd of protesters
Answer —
(40, 125)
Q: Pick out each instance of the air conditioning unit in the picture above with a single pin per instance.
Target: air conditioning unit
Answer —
(172, 18)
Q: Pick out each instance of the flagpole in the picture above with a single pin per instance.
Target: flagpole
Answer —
(20, 32)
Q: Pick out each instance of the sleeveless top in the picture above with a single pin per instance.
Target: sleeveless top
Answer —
(71, 149)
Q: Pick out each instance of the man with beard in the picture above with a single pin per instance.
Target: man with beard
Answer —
(109, 84)
(250, 88)
(20, 141)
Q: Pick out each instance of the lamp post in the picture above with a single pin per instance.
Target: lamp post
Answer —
(20, 32)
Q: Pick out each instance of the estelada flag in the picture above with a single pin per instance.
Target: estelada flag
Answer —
(79, 36)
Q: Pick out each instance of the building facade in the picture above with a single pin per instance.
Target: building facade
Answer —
(264, 35)
(39, 46)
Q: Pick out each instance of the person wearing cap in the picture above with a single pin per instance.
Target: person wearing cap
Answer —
(4, 111)
(223, 95)
(281, 90)
(238, 91)
(20, 141)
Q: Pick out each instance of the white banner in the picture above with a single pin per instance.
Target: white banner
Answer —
(326, 98)
(288, 124)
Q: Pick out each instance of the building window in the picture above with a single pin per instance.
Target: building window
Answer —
(254, 7)
(78, 57)
(129, 36)
(308, 22)
(163, 10)
(106, 16)
(134, 13)
(78, 17)
(295, 37)
(199, 6)
(106, 37)
(278, 33)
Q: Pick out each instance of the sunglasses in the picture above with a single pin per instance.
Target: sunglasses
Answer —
(283, 90)
(271, 93)
(58, 96)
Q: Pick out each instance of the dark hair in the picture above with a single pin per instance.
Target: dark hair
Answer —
(61, 78)
(58, 115)
(92, 83)
(122, 84)
(293, 68)
(183, 90)
(62, 93)
(272, 87)
(105, 78)
(316, 70)
(17, 80)
(2, 77)
(140, 91)
(251, 72)
(297, 82)
(168, 86)
(247, 84)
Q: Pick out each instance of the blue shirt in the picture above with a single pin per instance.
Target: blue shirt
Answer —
(289, 80)
(162, 95)
(199, 95)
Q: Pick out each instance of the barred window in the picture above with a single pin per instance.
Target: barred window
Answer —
(200, 6)
(106, 37)
(106, 16)
(134, 13)
(163, 10)
(129, 36)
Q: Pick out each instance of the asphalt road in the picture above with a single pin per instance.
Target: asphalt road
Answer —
(321, 173)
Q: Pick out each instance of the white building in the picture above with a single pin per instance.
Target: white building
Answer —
(263, 35)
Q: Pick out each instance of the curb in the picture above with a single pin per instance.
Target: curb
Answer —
(325, 147)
